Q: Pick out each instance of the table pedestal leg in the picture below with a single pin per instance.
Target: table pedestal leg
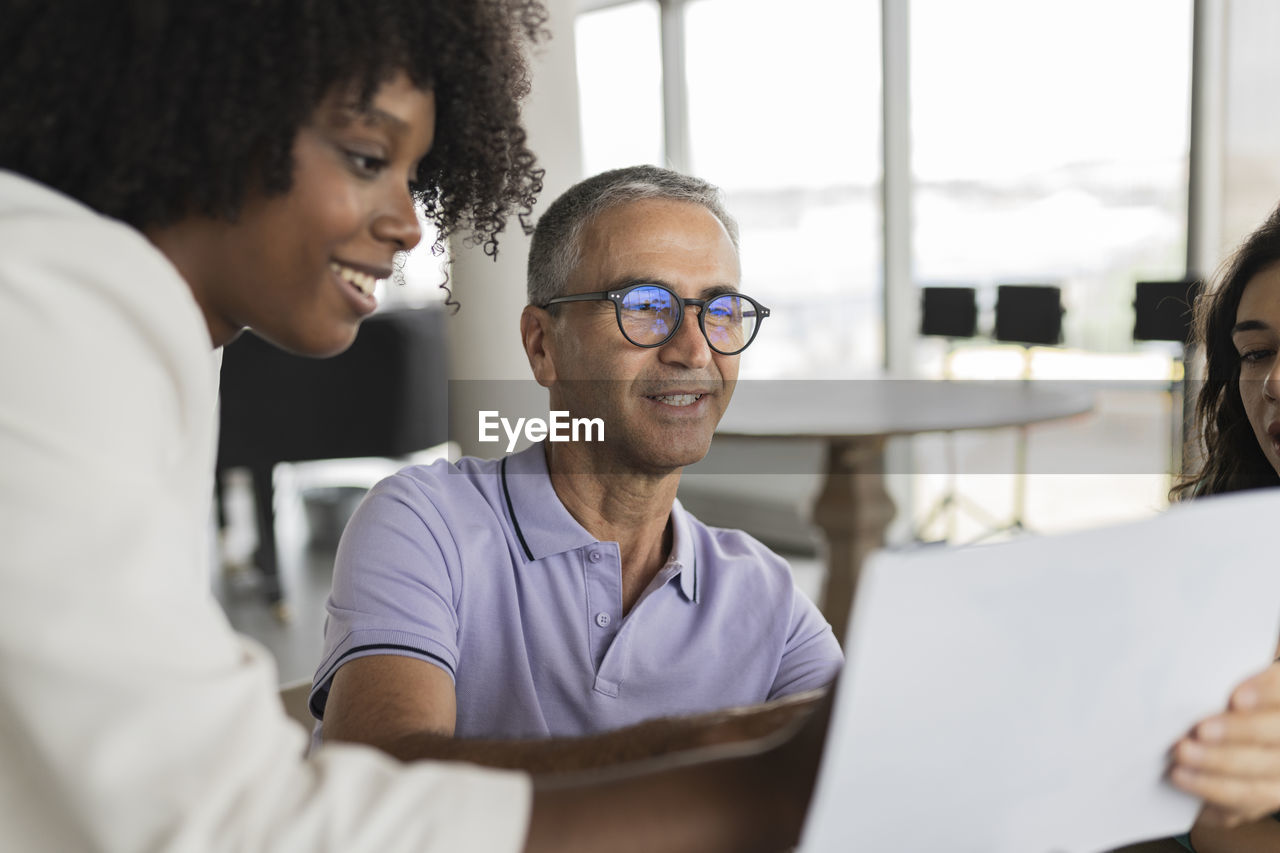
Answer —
(853, 511)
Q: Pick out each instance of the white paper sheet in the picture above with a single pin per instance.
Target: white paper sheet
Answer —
(1023, 697)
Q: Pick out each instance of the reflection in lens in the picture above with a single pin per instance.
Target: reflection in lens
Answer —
(730, 321)
(648, 314)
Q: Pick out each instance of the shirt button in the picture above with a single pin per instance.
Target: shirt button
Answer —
(603, 620)
(594, 556)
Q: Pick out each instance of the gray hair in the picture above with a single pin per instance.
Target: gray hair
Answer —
(557, 240)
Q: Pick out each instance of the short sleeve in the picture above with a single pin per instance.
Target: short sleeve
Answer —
(396, 580)
(811, 657)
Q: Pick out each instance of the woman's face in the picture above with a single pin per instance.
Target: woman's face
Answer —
(299, 268)
(1256, 336)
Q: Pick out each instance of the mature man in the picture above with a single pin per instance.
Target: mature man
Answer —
(563, 591)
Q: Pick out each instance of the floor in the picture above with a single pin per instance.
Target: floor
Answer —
(306, 566)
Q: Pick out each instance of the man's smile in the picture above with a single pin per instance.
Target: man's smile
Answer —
(676, 399)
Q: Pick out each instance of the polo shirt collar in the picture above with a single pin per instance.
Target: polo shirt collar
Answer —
(544, 527)
(542, 524)
(683, 551)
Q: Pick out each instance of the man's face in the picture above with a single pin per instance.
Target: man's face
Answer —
(660, 405)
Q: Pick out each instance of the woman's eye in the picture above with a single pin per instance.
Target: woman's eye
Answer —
(1255, 356)
(365, 164)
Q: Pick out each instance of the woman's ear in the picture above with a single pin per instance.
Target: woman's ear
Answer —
(538, 336)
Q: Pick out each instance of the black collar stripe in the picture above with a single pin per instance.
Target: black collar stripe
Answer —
(515, 522)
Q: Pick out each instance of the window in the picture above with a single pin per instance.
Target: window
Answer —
(1252, 126)
(1049, 145)
(783, 114)
(620, 86)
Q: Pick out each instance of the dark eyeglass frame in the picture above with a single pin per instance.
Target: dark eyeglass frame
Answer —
(616, 297)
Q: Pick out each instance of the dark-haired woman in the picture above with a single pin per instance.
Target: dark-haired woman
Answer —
(171, 172)
(1235, 406)
(1233, 760)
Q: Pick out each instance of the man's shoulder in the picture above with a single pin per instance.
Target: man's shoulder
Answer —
(456, 489)
(444, 478)
(725, 546)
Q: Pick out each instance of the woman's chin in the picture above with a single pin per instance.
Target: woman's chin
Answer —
(310, 342)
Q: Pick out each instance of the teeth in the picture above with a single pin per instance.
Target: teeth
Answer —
(677, 399)
(362, 280)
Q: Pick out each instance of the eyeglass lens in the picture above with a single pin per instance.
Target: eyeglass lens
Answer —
(649, 314)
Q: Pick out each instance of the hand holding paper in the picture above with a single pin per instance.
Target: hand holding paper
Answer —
(1232, 759)
(1029, 694)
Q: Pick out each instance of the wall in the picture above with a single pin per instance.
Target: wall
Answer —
(484, 336)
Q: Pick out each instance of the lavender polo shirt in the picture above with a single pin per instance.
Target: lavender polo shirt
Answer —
(478, 568)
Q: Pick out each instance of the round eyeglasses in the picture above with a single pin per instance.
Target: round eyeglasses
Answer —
(649, 315)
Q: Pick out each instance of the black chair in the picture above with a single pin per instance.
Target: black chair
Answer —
(951, 312)
(385, 396)
(1162, 310)
(1028, 315)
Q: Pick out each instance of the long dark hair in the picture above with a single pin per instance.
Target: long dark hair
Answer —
(1233, 461)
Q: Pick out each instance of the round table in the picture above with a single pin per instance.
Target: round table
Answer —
(855, 418)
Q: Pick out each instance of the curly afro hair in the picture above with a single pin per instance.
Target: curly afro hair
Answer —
(153, 110)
